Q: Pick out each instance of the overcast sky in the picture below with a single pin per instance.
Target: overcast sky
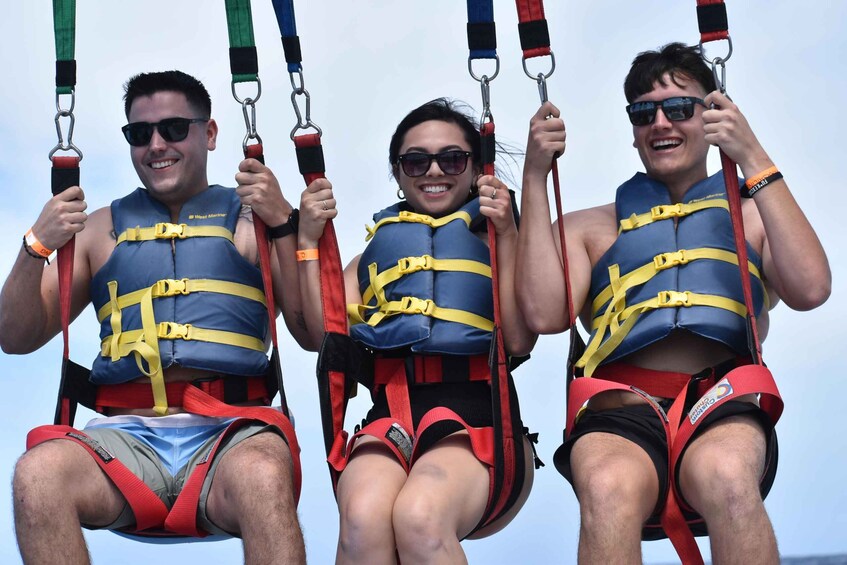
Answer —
(366, 64)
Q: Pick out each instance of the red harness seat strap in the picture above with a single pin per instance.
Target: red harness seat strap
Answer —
(679, 428)
(149, 510)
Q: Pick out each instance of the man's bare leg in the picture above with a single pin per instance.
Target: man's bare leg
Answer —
(617, 487)
(56, 487)
(252, 494)
(719, 478)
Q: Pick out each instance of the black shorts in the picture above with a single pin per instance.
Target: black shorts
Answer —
(470, 400)
(641, 425)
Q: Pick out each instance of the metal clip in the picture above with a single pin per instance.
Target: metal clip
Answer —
(65, 113)
(249, 122)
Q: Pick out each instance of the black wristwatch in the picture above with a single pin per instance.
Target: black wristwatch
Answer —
(287, 228)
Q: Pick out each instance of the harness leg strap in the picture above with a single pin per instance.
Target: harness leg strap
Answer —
(148, 509)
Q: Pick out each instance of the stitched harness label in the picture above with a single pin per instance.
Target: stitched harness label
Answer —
(721, 390)
(401, 440)
(95, 447)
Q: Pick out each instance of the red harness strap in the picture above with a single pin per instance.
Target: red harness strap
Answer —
(149, 511)
(679, 428)
(140, 395)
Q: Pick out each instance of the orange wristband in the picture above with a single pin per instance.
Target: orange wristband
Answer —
(36, 245)
(756, 179)
(307, 254)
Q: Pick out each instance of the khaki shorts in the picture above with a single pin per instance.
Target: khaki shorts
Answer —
(144, 462)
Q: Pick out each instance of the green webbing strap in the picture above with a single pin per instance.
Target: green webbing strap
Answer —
(64, 28)
(243, 61)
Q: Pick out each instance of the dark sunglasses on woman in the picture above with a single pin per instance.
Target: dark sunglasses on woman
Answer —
(676, 109)
(453, 162)
(139, 134)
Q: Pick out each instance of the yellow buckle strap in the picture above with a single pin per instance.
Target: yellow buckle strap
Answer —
(663, 261)
(165, 230)
(667, 211)
(173, 287)
(409, 265)
(595, 353)
(412, 305)
(412, 217)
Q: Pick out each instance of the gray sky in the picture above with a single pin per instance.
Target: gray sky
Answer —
(366, 65)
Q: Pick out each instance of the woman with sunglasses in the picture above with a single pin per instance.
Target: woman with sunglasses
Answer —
(416, 481)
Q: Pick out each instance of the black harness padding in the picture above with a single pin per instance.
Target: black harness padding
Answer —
(310, 159)
(66, 73)
(243, 60)
(291, 48)
(62, 178)
(534, 34)
(482, 36)
(712, 18)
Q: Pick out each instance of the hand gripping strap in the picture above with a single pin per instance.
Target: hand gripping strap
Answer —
(148, 509)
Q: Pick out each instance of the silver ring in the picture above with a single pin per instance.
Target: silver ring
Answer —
(493, 193)
(323, 203)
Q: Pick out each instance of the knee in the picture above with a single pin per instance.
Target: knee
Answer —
(722, 485)
(37, 476)
(256, 472)
(365, 523)
(612, 496)
(419, 527)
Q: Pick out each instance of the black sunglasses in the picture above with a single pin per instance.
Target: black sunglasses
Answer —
(139, 134)
(453, 162)
(676, 109)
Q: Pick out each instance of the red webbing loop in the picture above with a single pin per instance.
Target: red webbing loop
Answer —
(730, 173)
(712, 21)
(531, 14)
(65, 259)
(333, 298)
(263, 245)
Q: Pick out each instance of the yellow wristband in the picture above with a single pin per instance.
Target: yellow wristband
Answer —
(307, 254)
(36, 245)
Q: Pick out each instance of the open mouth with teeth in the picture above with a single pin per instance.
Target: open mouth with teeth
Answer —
(665, 144)
(435, 188)
(156, 165)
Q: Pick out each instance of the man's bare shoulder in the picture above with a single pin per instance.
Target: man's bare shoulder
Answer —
(97, 239)
(594, 228)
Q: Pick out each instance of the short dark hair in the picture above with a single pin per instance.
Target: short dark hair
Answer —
(441, 109)
(677, 60)
(148, 84)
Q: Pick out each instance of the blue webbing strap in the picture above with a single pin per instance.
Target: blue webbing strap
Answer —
(482, 39)
(284, 10)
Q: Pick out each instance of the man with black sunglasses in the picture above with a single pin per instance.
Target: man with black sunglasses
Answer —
(654, 277)
(171, 270)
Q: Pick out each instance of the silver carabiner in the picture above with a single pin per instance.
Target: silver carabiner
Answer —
(298, 86)
(720, 80)
(249, 122)
(303, 123)
(546, 75)
(492, 77)
(61, 145)
(485, 89)
(254, 99)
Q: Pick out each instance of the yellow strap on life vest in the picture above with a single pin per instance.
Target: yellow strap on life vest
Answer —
(412, 217)
(595, 353)
(663, 261)
(667, 211)
(172, 330)
(408, 265)
(412, 305)
(166, 230)
(172, 287)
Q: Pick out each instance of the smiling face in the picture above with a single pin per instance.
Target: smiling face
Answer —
(673, 152)
(172, 171)
(435, 193)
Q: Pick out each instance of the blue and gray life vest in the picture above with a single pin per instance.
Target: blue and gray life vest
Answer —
(425, 284)
(660, 276)
(178, 293)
